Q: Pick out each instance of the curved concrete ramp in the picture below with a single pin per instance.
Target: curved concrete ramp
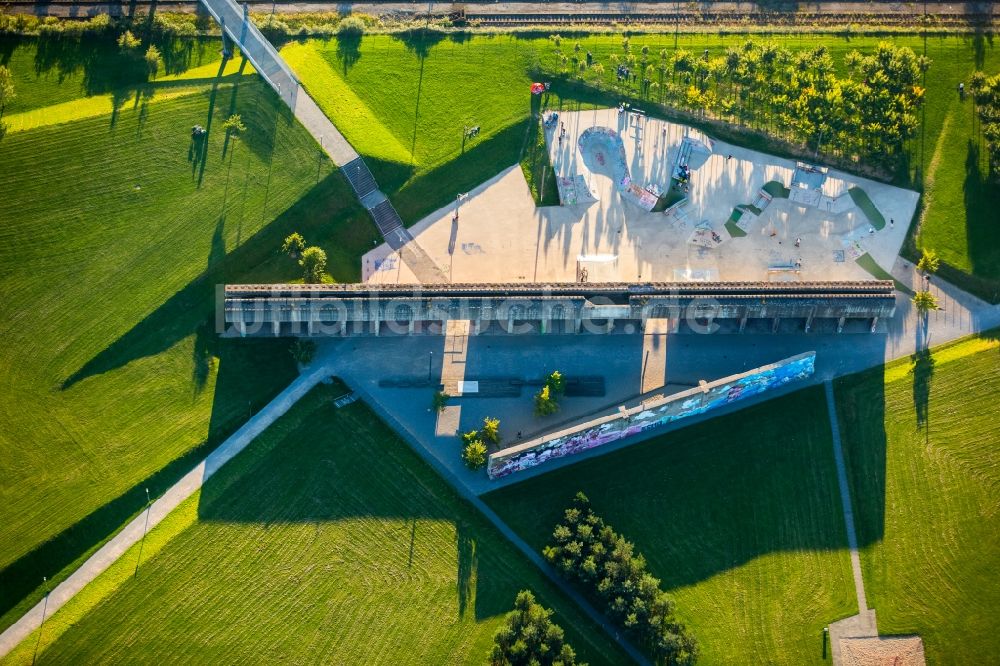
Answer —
(603, 152)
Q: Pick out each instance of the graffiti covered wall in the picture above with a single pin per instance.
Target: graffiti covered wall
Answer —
(649, 414)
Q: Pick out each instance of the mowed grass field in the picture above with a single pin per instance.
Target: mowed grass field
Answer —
(327, 541)
(116, 229)
(921, 443)
(739, 517)
(406, 100)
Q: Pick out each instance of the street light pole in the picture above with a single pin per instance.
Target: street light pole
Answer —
(430, 359)
(142, 542)
(45, 607)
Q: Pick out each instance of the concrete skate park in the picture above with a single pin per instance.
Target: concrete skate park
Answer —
(733, 215)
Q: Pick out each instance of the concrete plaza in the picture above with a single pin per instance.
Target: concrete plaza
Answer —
(501, 236)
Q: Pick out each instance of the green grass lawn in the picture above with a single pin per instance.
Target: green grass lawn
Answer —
(405, 101)
(739, 517)
(115, 230)
(327, 541)
(920, 438)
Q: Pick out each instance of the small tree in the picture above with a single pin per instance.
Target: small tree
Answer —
(929, 262)
(152, 58)
(293, 245)
(439, 401)
(129, 43)
(7, 92)
(545, 404)
(351, 26)
(556, 383)
(313, 263)
(491, 430)
(925, 301)
(530, 637)
(474, 454)
(303, 351)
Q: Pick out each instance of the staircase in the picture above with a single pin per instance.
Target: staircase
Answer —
(389, 223)
(360, 178)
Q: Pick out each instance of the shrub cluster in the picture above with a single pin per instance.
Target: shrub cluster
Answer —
(529, 636)
(986, 93)
(869, 113)
(587, 550)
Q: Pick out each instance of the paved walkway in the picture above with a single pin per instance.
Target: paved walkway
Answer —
(180, 491)
(845, 499)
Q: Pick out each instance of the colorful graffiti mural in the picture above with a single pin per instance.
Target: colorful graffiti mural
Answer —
(650, 414)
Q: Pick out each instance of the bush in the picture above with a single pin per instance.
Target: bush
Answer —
(545, 404)
(929, 262)
(351, 26)
(313, 263)
(529, 636)
(128, 42)
(474, 454)
(491, 430)
(152, 58)
(293, 245)
(587, 550)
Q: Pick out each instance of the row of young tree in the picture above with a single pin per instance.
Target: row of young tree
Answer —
(528, 637)
(867, 114)
(587, 550)
(986, 94)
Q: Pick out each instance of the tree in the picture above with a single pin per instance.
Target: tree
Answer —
(234, 126)
(313, 263)
(587, 550)
(491, 430)
(556, 383)
(7, 92)
(925, 301)
(152, 58)
(303, 351)
(929, 262)
(128, 42)
(474, 454)
(293, 245)
(545, 404)
(529, 636)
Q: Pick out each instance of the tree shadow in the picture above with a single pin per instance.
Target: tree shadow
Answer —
(982, 201)
(468, 567)
(715, 495)
(348, 50)
(318, 460)
(923, 372)
(420, 41)
(191, 307)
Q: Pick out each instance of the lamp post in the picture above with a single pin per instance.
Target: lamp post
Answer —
(142, 542)
(45, 607)
(430, 360)
(458, 198)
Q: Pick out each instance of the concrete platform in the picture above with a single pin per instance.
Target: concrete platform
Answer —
(501, 236)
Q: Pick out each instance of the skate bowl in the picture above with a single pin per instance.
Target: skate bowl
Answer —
(604, 153)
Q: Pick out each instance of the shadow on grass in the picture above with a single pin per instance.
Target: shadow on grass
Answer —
(316, 465)
(982, 201)
(718, 494)
(436, 188)
(193, 306)
(923, 372)
(266, 360)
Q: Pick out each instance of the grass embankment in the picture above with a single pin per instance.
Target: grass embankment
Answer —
(920, 438)
(422, 91)
(115, 230)
(327, 540)
(742, 524)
